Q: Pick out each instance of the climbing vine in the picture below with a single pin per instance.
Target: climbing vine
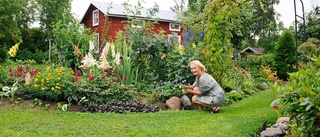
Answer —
(223, 17)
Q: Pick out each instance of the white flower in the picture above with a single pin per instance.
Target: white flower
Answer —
(105, 51)
(88, 61)
(117, 59)
(113, 51)
(104, 64)
(91, 46)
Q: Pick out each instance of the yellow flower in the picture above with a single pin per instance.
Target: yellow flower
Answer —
(57, 87)
(13, 50)
(27, 83)
(52, 88)
(43, 89)
(59, 78)
(181, 49)
(194, 45)
(163, 56)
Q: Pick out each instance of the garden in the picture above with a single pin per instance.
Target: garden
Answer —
(122, 89)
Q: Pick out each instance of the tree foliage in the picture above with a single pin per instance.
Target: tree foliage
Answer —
(312, 25)
(223, 18)
(14, 16)
(284, 55)
(50, 12)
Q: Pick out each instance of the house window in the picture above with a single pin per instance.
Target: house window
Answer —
(174, 27)
(137, 23)
(95, 18)
(175, 39)
(96, 42)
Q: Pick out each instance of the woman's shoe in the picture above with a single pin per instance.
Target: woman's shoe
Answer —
(215, 110)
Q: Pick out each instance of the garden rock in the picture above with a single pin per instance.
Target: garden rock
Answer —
(174, 103)
(263, 86)
(185, 102)
(271, 132)
(282, 126)
(283, 120)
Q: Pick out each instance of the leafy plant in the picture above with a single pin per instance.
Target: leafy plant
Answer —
(37, 101)
(301, 98)
(284, 55)
(10, 91)
(266, 72)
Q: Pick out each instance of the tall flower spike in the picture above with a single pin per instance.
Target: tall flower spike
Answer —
(91, 46)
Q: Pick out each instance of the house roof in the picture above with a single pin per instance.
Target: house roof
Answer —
(254, 50)
(118, 10)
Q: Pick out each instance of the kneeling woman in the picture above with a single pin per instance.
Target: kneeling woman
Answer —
(206, 91)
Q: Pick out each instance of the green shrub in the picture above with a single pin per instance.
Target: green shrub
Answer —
(3, 76)
(302, 98)
(284, 55)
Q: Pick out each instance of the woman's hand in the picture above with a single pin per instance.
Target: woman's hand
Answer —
(185, 91)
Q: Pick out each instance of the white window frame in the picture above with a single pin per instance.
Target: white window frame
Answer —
(172, 27)
(95, 17)
(177, 36)
(96, 42)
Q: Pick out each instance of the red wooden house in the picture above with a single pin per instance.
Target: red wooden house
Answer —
(95, 16)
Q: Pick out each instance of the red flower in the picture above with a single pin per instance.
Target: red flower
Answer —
(275, 107)
(75, 48)
(91, 77)
(108, 72)
(73, 80)
(20, 68)
(119, 78)
(289, 133)
(78, 73)
(27, 67)
(112, 80)
(103, 76)
(124, 77)
(19, 74)
(33, 72)
(10, 69)
(115, 71)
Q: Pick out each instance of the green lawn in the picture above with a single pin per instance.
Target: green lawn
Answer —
(241, 119)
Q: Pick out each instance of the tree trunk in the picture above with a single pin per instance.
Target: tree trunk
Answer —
(49, 49)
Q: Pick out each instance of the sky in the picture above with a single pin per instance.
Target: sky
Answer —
(285, 8)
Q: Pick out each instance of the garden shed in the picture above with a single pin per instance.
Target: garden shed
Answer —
(251, 50)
